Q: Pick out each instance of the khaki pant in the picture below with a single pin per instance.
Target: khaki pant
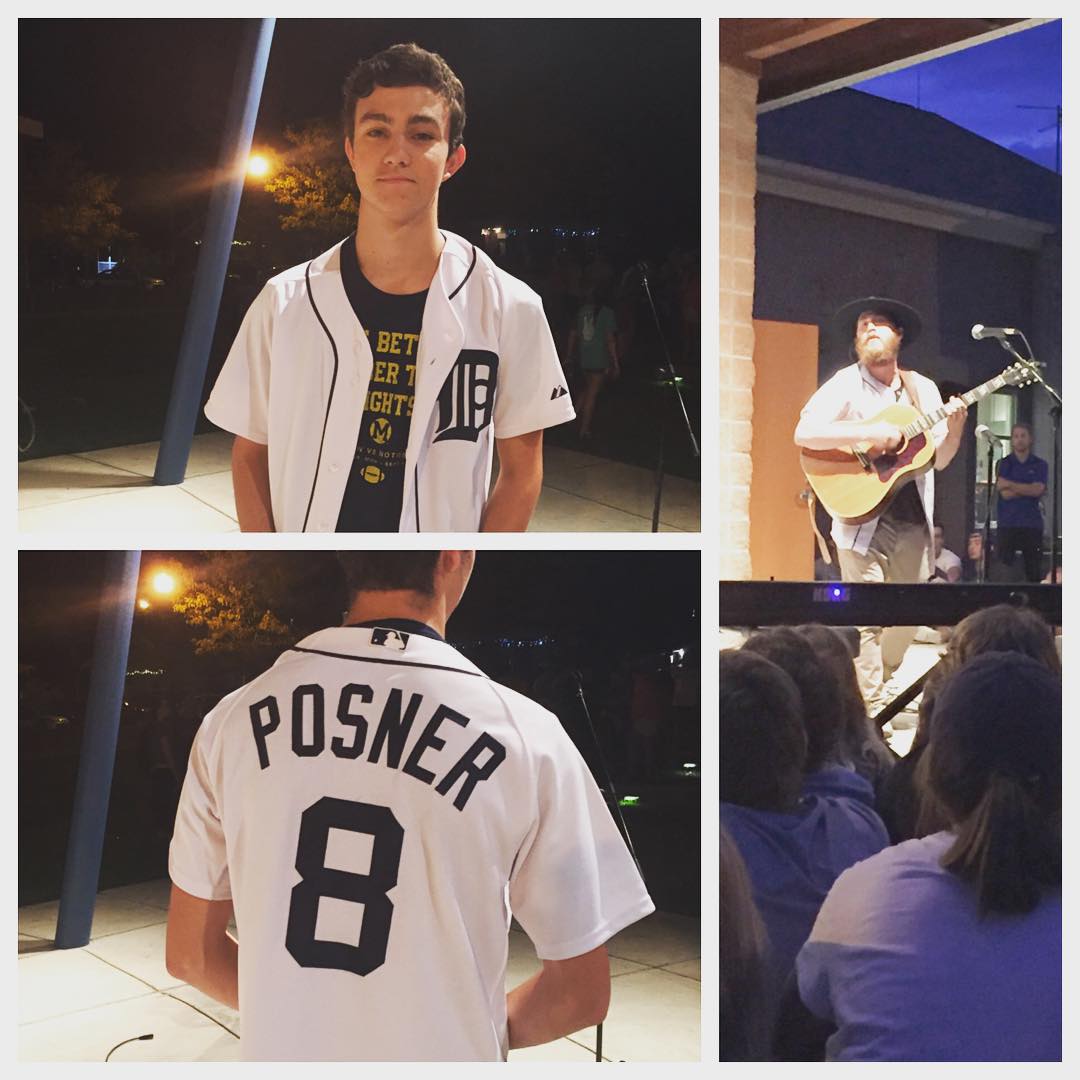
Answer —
(899, 554)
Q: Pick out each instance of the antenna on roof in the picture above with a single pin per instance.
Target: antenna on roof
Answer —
(1050, 108)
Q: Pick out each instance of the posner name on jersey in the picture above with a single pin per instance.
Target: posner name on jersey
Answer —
(388, 743)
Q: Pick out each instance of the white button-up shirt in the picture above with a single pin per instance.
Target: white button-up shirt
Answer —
(854, 394)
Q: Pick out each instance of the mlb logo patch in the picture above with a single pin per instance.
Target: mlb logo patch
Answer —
(389, 639)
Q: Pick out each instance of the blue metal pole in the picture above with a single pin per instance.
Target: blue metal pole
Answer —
(82, 866)
(214, 255)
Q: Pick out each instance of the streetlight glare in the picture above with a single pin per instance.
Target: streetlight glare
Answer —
(164, 583)
(258, 165)
(143, 603)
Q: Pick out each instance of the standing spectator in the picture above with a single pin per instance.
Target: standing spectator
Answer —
(593, 335)
(948, 948)
(1021, 482)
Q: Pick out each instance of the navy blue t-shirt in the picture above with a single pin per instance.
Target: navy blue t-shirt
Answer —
(1021, 511)
(373, 493)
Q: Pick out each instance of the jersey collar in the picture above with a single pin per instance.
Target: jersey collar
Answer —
(362, 643)
(408, 626)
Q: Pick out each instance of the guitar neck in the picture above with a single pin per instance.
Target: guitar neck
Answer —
(928, 420)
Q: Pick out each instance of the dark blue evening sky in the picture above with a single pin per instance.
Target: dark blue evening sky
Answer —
(981, 88)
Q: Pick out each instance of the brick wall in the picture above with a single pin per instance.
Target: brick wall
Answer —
(738, 182)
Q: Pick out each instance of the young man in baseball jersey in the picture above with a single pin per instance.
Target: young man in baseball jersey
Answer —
(373, 809)
(370, 388)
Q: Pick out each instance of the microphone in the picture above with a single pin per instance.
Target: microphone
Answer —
(983, 432)
(641, 269)
(978, 331)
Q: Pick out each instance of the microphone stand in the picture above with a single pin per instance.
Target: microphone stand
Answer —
(1031, 365)
(984, 570)
(619, 816)
(673, 379)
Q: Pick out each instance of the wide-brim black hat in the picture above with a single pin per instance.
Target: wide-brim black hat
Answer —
(905, 317)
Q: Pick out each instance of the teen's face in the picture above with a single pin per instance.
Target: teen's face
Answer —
(939, 540)
(400, 150)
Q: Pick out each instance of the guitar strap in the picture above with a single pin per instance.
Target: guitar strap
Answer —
(823, 547)
(908, 383)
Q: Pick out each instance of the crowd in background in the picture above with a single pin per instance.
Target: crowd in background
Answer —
(879, 908)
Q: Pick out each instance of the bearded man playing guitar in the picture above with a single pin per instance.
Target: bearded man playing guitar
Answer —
(892, 541)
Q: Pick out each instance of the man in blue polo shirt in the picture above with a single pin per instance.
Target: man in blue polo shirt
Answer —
(1021, 482)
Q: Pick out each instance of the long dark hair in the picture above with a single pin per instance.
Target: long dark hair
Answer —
(995, 766)
(745, 1021)
(1000, 628)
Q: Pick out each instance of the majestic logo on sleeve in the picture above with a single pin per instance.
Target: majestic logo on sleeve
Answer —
(467, 397)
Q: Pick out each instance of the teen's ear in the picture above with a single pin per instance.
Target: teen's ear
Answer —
(454, 162)
(349, 151)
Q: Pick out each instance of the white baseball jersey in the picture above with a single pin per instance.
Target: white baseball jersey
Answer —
(376, 808)
(296, 380)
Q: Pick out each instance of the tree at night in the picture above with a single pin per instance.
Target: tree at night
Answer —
(314, 183)
(66, 206)
(221, 600)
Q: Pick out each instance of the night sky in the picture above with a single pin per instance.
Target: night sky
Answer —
(569, 121)
(982, 89)
(636, 600)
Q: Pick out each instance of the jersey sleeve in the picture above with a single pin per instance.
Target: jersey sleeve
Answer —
(240, 399)
(197, 859)
(574, 883)
(532, 392)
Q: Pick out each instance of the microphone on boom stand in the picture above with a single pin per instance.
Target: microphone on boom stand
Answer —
(668, 378)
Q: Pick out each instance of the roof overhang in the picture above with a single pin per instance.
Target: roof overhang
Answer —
(821, 187)
(795, 59)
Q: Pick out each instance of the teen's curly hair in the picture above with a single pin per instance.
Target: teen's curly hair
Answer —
(405, 65)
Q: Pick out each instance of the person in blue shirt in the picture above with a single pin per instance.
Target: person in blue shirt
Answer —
(1021, 482)
(948, 947)
(794, 839)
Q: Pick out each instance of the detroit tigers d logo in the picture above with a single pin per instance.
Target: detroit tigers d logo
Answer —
(467, 397)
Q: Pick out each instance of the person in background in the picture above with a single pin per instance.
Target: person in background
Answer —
(948, 947)
(794, 844)
(947, 565)
(745, 1014)
(1021, 483)
(903, 801)
(594, 338)
(861, 745)
(971, 567)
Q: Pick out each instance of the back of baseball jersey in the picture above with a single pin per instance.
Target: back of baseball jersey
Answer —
(376, 808)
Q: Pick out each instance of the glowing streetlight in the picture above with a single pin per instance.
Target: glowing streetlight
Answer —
(258, 165)
(144, 604)
(164, 583)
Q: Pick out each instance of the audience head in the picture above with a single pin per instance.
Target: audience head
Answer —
(744, 1012)
(762, 739)
(1001, 628)
(817, 686)
(832, 652)
(994, 765)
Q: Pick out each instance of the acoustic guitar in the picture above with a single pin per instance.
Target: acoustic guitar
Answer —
(854, 485)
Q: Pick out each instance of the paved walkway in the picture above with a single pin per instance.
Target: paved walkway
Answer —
(112, 491)
(76, 1004)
